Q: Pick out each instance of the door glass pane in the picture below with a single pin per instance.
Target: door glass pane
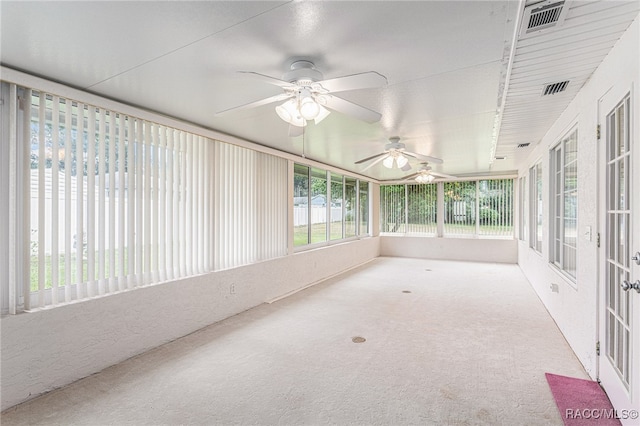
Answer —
(622, 239)
(620, 130)
(611, 323)
(622, 185)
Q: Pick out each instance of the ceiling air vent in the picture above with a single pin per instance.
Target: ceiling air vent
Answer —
(524, 145)
(542, 15)
(553, 88)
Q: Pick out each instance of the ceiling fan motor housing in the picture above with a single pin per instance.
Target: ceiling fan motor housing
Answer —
(302, 73)
(394, 146)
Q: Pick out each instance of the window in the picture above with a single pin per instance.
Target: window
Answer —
(495, 207)
(114, 202)
(422, 201)
(250, 206)
(392, 208)
(350, 207)
(328, 206)
(522, 208)
(564, 203)
(471, 208)
(535, 207)
(460, 208)
(363, 202)
(337, 197)
(301, 227)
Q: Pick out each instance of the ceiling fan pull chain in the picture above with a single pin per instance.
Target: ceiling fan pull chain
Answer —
(303, 131)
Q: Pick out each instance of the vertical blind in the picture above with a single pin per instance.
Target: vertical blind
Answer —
(115, 202)
(469, 208)
(250, 212)
(422, 201)
(392, 208)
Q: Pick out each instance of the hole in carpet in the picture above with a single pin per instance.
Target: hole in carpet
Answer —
(358, 339)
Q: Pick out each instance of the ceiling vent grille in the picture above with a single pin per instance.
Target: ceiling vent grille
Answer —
(542, 15)
(553, 88)
(524, 145)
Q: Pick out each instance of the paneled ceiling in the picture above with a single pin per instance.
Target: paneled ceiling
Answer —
(463, 84)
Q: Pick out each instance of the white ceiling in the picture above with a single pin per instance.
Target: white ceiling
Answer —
(447, 65)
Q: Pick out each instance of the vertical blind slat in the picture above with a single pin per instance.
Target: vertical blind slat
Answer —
(55, 198)
(41, 200)
(101, 203)
(122, 246)
(68, 231)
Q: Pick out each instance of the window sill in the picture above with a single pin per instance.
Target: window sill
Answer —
(564, 276)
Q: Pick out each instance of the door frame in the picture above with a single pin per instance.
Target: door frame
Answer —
(624, 402)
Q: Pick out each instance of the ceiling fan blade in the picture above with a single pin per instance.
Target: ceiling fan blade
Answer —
(442, 175)
(373, 164)
(267, 79)
(410, 176)
(364, 160)
(406, 167)
(351, 109)
(423, 157)
(269, 100)
(295, 131)
(363, 80)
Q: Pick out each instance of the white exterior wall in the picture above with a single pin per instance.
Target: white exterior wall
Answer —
(50, 348)
(574, 306)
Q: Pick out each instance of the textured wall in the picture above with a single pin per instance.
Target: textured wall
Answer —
(470, 249)
(46, 349)
(574, 305)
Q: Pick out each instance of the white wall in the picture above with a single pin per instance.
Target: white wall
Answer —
(46, 349)
(574, 306)
(468, 249)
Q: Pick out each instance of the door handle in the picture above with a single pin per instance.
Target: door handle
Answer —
(626, 285)
(636, 258)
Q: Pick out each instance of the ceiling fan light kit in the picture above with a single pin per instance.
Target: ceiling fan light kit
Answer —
(424, 178)
(308, 97)
(395, 153)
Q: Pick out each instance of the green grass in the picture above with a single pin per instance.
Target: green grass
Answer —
(73, 264)
(318, 233)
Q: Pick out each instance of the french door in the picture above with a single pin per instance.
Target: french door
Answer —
(619, 302)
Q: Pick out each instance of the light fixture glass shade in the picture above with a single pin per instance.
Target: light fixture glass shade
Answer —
(324, 113)
(424, 178)
(309, 109)
(388, 162)
(287, 111)
(401, 161)
(298, 121)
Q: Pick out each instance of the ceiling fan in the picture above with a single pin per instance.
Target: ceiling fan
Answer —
(395, 153)
(308, 97)
(425, 174)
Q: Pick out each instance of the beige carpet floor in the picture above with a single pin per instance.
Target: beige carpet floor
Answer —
(445, 343)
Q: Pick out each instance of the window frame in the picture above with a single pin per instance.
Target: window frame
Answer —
(535, 207)
(356, 210)
(559, 196)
